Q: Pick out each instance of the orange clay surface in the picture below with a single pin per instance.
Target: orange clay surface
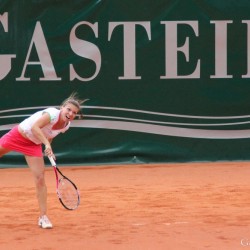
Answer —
(134, 207)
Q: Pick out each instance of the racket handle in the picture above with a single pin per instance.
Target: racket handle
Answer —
(52, 161)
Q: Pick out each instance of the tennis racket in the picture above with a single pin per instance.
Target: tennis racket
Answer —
(66, 190)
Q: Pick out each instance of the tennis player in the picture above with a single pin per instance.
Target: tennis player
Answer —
(29, 137)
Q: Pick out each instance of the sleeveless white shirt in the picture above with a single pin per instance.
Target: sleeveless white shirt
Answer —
(47, 130)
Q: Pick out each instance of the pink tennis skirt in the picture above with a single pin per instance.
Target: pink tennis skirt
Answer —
(14, 141)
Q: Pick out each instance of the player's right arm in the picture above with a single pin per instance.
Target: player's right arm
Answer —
(37, 132)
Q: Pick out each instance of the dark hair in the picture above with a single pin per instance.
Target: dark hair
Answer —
(76, 101)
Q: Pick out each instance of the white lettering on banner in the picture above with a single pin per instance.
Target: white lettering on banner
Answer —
(248, 49)
(221, 49)
(86, 49)
(129, 46)
(172, 50)
(5, 60)
(46, 63)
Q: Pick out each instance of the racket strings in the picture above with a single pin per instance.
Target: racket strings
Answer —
(68, 194)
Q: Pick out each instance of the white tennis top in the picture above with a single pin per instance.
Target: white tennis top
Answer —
(47, 130)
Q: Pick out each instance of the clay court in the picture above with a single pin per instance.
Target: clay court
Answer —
(133, 207)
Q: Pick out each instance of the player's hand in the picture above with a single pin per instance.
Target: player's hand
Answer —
(48, 151)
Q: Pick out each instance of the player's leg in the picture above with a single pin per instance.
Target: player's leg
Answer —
(3, 151)
(36, 164)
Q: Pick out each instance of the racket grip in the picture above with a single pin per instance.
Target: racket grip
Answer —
(52, 161)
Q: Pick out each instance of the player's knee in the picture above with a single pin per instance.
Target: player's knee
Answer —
(40, 181)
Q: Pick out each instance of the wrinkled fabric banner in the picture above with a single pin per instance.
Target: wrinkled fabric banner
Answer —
(166, 81)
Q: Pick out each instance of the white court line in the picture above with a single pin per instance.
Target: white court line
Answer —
(175, 223)
(166, 223)
(138, 224)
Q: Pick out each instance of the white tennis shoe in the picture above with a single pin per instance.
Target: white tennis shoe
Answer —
(44, 222)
